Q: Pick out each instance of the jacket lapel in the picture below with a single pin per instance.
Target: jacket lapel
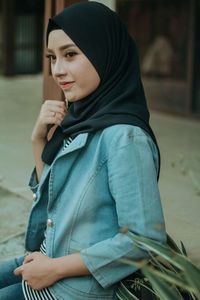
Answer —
(78, 143)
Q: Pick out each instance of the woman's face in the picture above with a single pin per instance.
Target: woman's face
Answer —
(70, 68)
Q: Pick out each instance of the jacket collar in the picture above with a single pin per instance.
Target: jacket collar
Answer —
(77, 143)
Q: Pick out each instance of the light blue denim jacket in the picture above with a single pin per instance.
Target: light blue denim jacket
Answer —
(97, 185)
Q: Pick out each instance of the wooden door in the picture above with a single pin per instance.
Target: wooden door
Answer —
(164, 34)
(50, 89)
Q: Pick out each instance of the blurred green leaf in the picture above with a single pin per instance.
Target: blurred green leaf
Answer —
(171, 243)
(164, 291)
(178, 260)
(171, 273)
(183, 249)
(192, 275)
(173, 278)
(124, 294)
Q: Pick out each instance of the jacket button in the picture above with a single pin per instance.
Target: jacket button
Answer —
(49, 223)
(34, 197)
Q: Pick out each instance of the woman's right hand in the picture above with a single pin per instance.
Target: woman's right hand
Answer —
(52, 113)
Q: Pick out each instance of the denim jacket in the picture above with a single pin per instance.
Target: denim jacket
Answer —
(99, 184)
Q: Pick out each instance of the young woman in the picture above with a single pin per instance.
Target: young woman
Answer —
(97, 174)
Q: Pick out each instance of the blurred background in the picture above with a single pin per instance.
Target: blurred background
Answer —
(167, 34)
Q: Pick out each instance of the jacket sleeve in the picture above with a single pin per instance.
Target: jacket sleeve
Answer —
(132, 176)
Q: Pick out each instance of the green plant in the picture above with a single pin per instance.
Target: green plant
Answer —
(168, 275)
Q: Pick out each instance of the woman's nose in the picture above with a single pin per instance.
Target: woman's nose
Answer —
(59, 68)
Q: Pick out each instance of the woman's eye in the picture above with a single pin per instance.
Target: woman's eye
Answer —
(70, 54)
(51, 57)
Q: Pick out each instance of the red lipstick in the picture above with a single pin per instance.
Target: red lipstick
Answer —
(66, 84)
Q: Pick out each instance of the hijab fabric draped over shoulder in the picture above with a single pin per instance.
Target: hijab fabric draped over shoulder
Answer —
(120, 98)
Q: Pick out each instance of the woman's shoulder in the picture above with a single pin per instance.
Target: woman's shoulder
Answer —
(123, 133)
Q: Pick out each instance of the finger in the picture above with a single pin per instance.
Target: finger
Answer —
(31, 256)
(58, 112)
(51, 117)
(28, 259)
(59, 116)
(18, 271)
(51, 114)
(56, 103)
(53, 120)
(55, 100)
(52, 107)
(52, 110)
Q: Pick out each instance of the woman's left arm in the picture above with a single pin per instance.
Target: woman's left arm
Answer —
(132, 168)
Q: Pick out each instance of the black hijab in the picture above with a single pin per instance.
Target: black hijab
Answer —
(119, 99)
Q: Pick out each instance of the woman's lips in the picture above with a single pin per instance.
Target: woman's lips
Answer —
(66, 84)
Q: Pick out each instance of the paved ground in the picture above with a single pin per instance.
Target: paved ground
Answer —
(179, 141)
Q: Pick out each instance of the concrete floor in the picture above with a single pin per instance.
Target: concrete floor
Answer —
(179, 140)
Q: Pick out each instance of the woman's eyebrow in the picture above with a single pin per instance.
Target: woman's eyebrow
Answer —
(62, 47)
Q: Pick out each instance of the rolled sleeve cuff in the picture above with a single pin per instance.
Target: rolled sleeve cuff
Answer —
(108, 268)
